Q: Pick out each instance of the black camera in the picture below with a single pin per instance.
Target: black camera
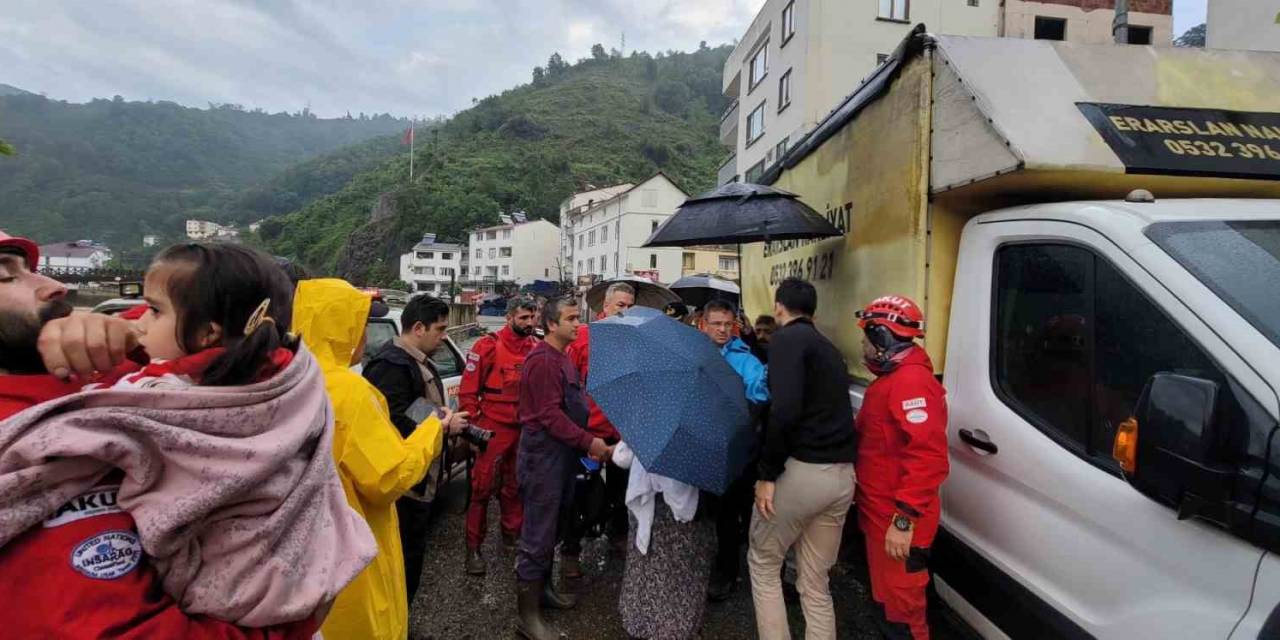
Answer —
(477, 436)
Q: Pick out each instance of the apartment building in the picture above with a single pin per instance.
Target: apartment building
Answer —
(1244, 24)
(431, 267)
(800, 58)
(204, 229)
(603, 231)
(716, 260)
(514, 252)
(1088, 21)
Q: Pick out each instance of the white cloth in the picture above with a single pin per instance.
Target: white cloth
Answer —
(642, 492)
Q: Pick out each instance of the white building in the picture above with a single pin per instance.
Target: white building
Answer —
(150, 240)
(82, 254)
(800, 58)
(513, 252)
(1244, 24)
(431, 266)
(605, 228)
(204, 229)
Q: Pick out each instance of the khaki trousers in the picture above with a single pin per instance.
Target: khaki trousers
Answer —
(810, 503)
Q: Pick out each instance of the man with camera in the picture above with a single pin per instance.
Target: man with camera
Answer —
(402, 370)
(490, 391)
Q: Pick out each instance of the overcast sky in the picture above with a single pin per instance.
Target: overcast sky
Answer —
(406, 57)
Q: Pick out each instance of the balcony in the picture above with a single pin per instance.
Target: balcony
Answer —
(728, 170)
(729, 126)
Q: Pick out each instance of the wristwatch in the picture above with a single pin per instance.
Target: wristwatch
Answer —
(902, 523)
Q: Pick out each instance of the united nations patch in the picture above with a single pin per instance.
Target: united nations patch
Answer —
(108, 555)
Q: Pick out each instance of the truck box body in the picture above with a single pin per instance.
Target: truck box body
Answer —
(949, 128)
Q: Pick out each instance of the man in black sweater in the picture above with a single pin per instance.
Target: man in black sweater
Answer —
(806, 468)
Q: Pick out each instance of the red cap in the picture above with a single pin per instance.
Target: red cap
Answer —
(23, 245)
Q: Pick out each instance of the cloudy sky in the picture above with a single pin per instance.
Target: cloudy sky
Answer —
(406, 57)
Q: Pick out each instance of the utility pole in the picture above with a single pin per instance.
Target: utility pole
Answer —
(1120, 26)
(411, 137)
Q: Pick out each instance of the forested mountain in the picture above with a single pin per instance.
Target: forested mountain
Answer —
(601, 121)
(112, 170)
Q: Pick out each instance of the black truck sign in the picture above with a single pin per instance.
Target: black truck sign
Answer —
(1200, 142)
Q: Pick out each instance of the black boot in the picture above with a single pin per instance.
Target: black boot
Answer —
(552, 599)
(475, 563)
(570, 567)
(529, 622)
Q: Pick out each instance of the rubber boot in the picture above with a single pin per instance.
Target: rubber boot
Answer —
(475, 563)
(529, 622)
(552, 599)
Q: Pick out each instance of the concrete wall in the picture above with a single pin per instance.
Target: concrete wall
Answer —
(1088, 21)
(1244, 24)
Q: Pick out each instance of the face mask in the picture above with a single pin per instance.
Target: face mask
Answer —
(890, 352)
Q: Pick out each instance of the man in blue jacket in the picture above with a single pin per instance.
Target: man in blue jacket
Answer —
(734, 513)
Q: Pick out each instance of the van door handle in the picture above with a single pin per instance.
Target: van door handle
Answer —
(979, 441)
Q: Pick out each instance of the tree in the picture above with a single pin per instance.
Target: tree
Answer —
(556, 65)
(539, 76)
(1193, 37)
(6, 149)
(598, 53)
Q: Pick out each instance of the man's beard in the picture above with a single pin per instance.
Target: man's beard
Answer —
(19, 333)
(523, 332)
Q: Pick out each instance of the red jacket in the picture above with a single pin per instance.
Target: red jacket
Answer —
(82, 574)
(490, 388)
(579, 353)
(902, 449)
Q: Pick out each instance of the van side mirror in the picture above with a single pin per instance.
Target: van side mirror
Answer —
(1172, 449)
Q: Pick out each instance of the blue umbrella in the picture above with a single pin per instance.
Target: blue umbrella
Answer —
(675, 400)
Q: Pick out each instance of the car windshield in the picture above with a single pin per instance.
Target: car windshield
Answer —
(1238, 260)
(379, 333)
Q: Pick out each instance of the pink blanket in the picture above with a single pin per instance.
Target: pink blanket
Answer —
(234, 489)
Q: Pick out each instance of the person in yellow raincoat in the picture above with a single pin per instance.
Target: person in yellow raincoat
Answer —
(375, 463)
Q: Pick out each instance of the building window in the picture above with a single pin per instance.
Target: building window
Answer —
(579, 267)
(479, 253)
(424, 255)
(788, 22)
(427, 286)
(582, 241)
(1139, 35)
(759, 65)
(653, 226)
(492, 253)
(781, 147)
(755, 124)
(446, 256)
(428, 271)
(475, 236)
(506, 234)
(687, 262)
(604, 234)
(591, 265)
(899, 10)
(881, 58)
(649, 198)
(754, 173)
(546, 273)
(973, 3)
(653, 261)
(506, 269)
(784, 91)
(491, 235)
(591, 238)
(728, 263)
(1051, 28)
(504, 252)
(615, 263)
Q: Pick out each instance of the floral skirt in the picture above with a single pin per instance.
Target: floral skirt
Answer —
(664, 592)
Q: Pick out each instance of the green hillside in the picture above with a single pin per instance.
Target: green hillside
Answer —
(113, 170)
(602, 121)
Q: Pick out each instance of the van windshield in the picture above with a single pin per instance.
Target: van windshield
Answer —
(1238, 260)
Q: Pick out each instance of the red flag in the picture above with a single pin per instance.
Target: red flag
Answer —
(408, 136)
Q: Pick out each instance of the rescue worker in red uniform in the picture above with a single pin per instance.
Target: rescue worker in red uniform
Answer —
(491, 390)
(51, 589)
(902, 461)
(619, 297)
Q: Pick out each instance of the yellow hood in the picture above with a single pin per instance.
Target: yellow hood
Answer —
(330, 315)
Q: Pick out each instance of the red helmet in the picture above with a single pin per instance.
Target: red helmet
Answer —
(896, 313)
(22, 245)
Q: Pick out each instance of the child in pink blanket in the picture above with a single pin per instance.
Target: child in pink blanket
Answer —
(221, 445)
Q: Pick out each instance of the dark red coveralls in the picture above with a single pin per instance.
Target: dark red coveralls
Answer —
(490, 390)
(902, 461)
(82, 574)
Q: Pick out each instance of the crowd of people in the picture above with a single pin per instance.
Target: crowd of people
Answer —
(210, 465)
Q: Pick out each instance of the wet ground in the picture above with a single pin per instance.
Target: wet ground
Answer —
(454, 606)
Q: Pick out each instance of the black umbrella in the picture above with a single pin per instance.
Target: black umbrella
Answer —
(698, 290)
(648, 293)
(740, 213)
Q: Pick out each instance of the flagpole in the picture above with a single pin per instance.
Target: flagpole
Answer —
(411, 137)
